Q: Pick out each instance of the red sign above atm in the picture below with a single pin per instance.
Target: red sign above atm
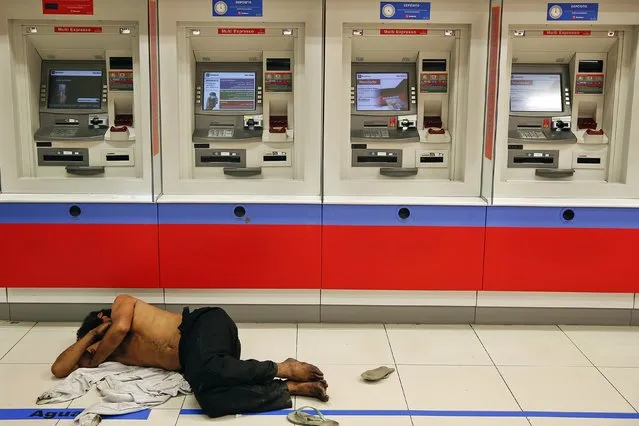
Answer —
(567, 33)
(67, 7)
(241, 31)
(394, 31)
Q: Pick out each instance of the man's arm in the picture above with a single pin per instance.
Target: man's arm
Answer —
(122, 318)
(69, 360)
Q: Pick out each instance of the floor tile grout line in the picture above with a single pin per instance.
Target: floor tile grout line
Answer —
(597, 368)
(177, 419)
(399, 376)
(499, 372)
(16, 344)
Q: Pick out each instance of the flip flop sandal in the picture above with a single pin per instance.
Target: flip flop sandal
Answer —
(299, 417)
(377, 374)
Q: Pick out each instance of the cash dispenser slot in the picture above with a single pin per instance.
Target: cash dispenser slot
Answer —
(383, 158)
(533, 158)
(233, 161)
(220, 157)
(376, 157)
(220, 160)
(63, 156)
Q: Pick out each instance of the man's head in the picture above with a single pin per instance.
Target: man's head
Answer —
(93, 320)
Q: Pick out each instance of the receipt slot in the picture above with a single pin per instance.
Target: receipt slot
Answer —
(405, 96)
(243, 95)
(566, 111)
(75, 106)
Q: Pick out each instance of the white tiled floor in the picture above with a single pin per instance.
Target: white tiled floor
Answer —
(446, 369)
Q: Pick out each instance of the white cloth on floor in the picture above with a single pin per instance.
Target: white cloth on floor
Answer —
(124, 389)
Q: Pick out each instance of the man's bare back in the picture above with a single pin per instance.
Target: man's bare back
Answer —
(152, 341)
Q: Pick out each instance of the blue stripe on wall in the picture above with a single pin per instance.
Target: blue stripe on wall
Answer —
(299, 214)
(225, 214)
(90, 213)
(552, 217)
(379, 215)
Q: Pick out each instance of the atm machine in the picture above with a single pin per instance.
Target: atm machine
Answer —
(243, 100)
(76, 110)
(75, 158)
(403, 137)
(241, 88)
(563, 131)
(405, 99)
(565, 189)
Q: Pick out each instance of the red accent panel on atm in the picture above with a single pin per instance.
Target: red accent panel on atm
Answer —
(561, 260)
(79, 255)
(402, 258)
(240, 256)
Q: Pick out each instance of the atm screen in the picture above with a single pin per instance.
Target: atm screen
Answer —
(382, 91)
(536, 93)
(75, 89)
(228, 91)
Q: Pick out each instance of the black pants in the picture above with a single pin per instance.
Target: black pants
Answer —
(221, 382)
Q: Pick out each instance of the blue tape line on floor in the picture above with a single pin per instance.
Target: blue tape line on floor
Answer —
(70, 413)
(451, 413)
(61, 414)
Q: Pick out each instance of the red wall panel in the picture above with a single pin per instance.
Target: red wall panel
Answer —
(402, 258)
(79, 255)
(554, 259)
(240, 256)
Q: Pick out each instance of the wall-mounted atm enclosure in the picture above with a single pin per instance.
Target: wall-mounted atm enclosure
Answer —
(243, 97)
(404, 101)
(75, 100)
(567, 117)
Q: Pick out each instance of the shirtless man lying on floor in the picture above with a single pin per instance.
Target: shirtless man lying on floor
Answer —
(202, 344)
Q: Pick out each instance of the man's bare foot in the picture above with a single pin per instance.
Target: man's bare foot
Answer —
(313, 389)
(292, 369)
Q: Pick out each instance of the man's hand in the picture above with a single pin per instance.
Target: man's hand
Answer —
(122, 316)
(76, 355)
(100, 331)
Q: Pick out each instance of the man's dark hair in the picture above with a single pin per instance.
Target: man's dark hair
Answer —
(92, 321)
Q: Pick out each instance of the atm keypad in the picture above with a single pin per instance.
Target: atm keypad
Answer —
(221, 133)
(376, 133)
(531, 134)
(65, 132)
